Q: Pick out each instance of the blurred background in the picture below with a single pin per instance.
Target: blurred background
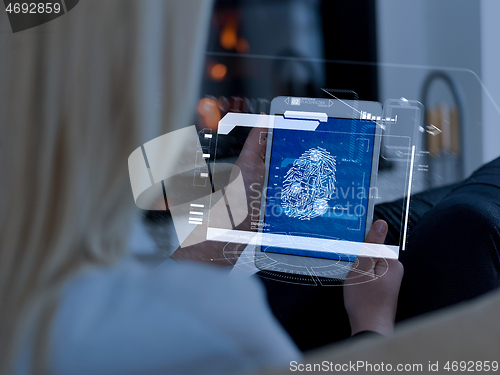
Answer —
(441, 53)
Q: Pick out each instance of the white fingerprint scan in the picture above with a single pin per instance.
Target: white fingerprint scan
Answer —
(309, 184)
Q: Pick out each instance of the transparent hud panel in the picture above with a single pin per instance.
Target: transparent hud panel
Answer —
(312, 206)
(325, 160)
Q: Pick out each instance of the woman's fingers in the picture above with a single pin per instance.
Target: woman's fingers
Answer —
(377, 232)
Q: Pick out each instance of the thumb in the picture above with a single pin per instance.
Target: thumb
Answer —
(377, 232)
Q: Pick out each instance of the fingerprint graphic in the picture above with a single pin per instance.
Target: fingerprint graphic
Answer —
(309, 184)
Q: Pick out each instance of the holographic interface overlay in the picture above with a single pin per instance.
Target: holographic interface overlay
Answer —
(320, 182)
(291, 216)
(172, 173)
(308, 184)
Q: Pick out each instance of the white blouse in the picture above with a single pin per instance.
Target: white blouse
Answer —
(176, 319)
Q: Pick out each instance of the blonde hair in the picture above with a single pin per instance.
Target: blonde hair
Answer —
(70, 98)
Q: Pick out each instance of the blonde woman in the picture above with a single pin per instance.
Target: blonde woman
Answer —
(71, 301)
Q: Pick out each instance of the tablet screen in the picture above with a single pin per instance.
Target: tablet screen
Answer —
(319, 183)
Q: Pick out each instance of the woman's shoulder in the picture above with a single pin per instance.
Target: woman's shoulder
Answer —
(187, 318)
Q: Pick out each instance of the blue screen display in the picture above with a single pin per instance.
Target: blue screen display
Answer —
(319, 183)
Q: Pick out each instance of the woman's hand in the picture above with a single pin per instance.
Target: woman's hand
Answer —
(250, 164)
(371, 289)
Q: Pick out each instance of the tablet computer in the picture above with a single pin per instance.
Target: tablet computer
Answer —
(320, 182)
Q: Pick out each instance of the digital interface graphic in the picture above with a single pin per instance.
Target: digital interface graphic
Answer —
(319, 183)
(309, 184)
